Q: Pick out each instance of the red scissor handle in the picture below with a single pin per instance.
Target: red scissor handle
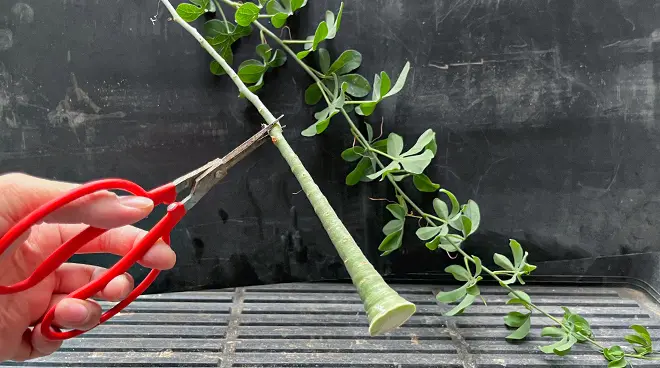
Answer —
(165, 194)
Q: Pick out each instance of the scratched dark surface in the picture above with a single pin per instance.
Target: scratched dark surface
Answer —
(545, 114)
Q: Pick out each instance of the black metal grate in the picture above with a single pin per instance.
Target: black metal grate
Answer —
(322, 325)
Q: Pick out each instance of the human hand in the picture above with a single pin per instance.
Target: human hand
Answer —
(20, 194)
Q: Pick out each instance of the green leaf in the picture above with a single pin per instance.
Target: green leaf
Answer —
(417, 164)
(621, 363)
(189, 12)
(211, 7)
(474, 290)
(394, 144)
(613, 353)
(519, 267)
(201, 3)
(517, 251)
(303, 54)
(348, 61)
(641, 341)
(392, 226)
(433, 244)
(264, 50)
(221, 35)
(216, 27)
(324, 60)
(358, 172)
(297, 4)
(250, 71)
(397, 211)
(515, 319)
(333, 24)
(478, 265)
(353, 153)
(246, 14)
(366, 109)
(424, 184)
(466, 226)
(466, 302)
(552, 332)
(526, 300)
(455, 206)
(399, 82)
(216, 68)
(227, 55)
(440, 240)
(278, 59)
(452, 296)
(278, 20)
(450, 242)
(283, 9)
(642, 331)
(432, 146)
(440, 208)
(428, 232)
(385, 85)
(421, 143)
(313, 94)
(257, 86)
(358, 86)
(318, 127)
(561, 347)
(392, 166)
(472, 212)
(523, 322)
(503, 262)
(578, 325)
(380, 145)
(274, 7)
(319, 36)
(391, 242)
(370, 132)
(459, 272)
(635, 339)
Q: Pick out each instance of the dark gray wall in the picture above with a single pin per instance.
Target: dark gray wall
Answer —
(545, 113)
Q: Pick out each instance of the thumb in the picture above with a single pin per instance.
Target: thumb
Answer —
(22, 194)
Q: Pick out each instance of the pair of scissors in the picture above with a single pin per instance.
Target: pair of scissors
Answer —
(199, 182)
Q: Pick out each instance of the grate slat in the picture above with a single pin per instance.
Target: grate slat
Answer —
(323, 325)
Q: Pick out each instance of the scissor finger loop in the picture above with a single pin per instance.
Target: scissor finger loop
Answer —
(193, 186)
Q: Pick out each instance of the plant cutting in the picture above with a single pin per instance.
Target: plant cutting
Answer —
(384, 307)
(443, 225)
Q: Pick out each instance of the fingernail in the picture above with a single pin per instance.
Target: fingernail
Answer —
(77, 313)
(139, 203)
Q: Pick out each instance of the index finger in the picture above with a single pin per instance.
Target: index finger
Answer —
(22, 194)
(119, 241)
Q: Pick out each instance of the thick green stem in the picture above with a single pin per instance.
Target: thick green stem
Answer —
(385, 308)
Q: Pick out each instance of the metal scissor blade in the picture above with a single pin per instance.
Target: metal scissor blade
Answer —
(247, 147)
(217, 169)
(186, 181)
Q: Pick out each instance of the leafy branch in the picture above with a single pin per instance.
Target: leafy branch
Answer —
(385, 308)
(447, 224)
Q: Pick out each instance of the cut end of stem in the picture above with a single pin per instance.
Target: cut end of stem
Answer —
(396, 312)
(386, 309)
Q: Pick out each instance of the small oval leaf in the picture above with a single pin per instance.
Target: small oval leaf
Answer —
(246, 14)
